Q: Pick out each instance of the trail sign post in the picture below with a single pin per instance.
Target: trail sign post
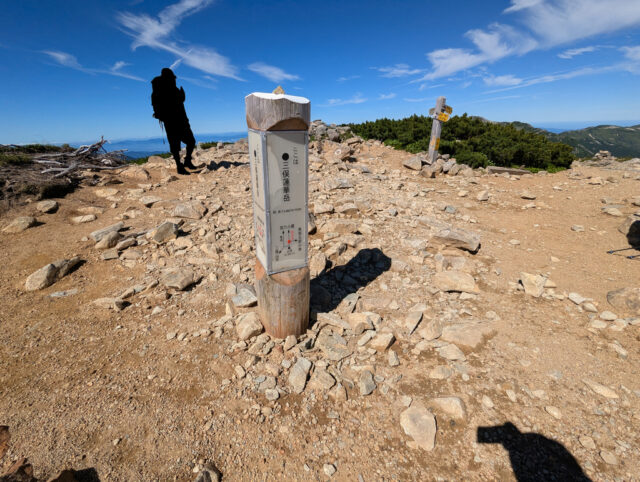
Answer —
(278, 153)
(440, 113)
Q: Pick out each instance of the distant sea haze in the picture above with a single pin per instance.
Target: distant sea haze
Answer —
(158, 145)
(558, 127)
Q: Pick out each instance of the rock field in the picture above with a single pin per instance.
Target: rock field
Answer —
(466, 325)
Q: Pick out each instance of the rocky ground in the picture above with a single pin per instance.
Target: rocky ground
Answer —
(466, 326)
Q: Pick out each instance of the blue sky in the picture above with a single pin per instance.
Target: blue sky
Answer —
(72, 71)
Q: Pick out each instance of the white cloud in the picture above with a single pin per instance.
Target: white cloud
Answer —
(356, 99)
(68, 60)
(492, 99)
(556, 22)
(426, 86)
(156, 33)
(65, 59)
(422, 99)
(350, 77)
(545, 79)
(398, 70)
(387, 96)
(548, 23)
(632, 53)
(517, 5)
(501, 80)
(497, 42)
(205, 82)
(569, 54)
(272, 73)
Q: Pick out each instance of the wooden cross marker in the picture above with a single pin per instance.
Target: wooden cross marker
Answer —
(278, 153)
(440, 113)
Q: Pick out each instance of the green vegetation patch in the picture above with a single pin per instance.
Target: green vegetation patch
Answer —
(14, 159)
(472, 141)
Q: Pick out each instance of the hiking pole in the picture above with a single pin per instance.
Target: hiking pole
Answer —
(162, 129)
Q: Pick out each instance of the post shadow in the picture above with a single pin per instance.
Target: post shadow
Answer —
(533, 457)
(331, 286)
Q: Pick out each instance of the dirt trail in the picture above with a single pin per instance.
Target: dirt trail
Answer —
(154, 391)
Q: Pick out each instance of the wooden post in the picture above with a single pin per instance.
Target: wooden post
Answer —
(278, 145)
(436, 129)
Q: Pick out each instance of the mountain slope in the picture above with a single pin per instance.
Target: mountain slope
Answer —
(620, 141)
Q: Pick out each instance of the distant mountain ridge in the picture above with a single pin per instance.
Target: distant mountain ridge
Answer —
(620, 141)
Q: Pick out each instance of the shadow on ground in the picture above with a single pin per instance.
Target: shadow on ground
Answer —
(533, 457)
(214, 166)
(332, 286)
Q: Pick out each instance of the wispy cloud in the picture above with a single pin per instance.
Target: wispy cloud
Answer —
(495, 99)
(270, 72)
(501, 80)
(422, 99)
(155, 33)
(547, 24)
(68, 60)
(569, 54)
(387, 96)
(356, 99)
(349, 77)
(205, 82)
(397, 70)
(426, 86)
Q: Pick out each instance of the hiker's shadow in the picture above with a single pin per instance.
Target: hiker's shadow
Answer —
(332, 285)
(533, 457)
(214, 166)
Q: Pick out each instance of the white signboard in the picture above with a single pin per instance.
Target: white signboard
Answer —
(279, 170)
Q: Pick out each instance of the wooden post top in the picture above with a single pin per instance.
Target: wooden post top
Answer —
(277, 112)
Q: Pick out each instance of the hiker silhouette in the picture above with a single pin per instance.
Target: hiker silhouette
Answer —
(533, 457)
(168, 107)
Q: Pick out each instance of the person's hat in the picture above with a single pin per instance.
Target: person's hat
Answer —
(166, 72)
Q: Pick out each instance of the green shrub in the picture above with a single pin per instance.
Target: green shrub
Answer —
(14, 159)
(471, 141)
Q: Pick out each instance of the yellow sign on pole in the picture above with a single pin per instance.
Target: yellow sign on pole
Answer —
(442, 117)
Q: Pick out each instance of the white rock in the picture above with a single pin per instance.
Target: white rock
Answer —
(419, 424)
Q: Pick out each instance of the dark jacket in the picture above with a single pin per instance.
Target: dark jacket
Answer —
(168, 101)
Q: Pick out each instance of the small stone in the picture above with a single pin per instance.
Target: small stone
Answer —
(298, 374)
(109, 240)
(483, 196)
(87, 218)
(171, 335)
(366, 384)
(608, 316)
(419, 424)
(626, 300)
(487, 402)
(177, 278)
(333, 346)
(245, 298)
(317, 264)
(533, 284)
(191, 210)
(431, 330)
(272, 394)
(393, 359)
(164, 232)
(329, 469)
(47, 206)
(452, 406)
(441, 372)
(382, 341)
(587, 442)
(608, 457)
(577, 228)
(115, 304)
(527, 195)
(600, 389)
(42, 278)
(576, 298)
(290, 342)
(360, 322)
(248, 325)
(413, 163)
(240, 372)
(149, 201)
(451, 352)
(455, 281)
(553, 411)
(100, 233)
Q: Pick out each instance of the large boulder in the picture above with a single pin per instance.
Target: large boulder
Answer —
(419, 424)
(631, 229)
(414, 163)
(457, 238)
